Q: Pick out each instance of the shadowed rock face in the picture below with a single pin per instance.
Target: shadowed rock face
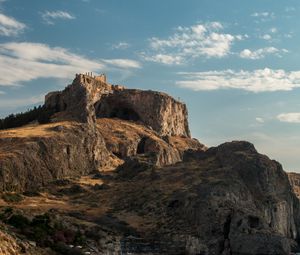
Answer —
(227, 200)
(127, 139)
(33, 157)
(76, 101)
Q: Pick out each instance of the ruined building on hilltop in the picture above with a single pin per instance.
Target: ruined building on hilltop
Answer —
(90, 97)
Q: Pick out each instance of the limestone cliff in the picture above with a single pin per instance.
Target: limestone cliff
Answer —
(88, 96)
(158, 110)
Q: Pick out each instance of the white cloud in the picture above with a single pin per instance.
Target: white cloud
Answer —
(260, 80)
(263, 14)
(120, 46)
(261, 53)
(42, 61)
(259, 120)
(260, 14)
(10, 26)
(51, 16)
(164, 59)
(266, 37)
(273, 30)
(122, 63)
(201, 40)
(293, 117)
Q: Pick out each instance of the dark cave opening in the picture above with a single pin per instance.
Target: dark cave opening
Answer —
(124, 113)
(141, 146)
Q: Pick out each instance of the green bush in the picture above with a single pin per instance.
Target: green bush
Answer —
(18, 221)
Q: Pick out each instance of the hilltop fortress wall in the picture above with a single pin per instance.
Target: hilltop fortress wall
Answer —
(90, 97)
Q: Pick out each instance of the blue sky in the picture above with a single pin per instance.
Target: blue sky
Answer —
(237, 66)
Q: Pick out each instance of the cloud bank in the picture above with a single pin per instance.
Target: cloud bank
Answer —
(260, 80)
(261, 53)
(293, 117)
(25, 61)
(51, 16)
(201, 40)
(10, 26)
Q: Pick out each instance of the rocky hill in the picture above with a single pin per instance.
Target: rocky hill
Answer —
(117, 172)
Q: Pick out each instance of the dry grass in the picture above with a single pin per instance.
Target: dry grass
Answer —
(8, 245)
(33, 130)
(116, 130)
(87, 180)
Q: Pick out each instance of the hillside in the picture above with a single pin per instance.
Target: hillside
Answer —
(117, 172)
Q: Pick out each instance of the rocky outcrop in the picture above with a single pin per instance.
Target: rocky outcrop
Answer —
(34, 156)
(169, 193)
(31, 157)
(88, 96)
(12, 245)
(158, 110)
(127, 139)
(226, 200)
(76, 101)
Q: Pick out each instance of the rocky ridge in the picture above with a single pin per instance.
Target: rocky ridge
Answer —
(117, 172)
(53, 149)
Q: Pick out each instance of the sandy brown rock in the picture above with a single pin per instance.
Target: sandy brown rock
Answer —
(127, 139)
(76, 101)
(11, 245)
(155, 109)
(35, 155)
(294, 179)
(169, 195)
(88, 97)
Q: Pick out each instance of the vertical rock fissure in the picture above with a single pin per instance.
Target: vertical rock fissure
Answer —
(226, 231)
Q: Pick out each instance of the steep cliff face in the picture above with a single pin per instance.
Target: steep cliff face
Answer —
(294, 179)
(88, 97)
(157, 110)
(76, 101)
(33, 156)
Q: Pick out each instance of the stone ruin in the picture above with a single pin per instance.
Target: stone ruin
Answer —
(90, 97)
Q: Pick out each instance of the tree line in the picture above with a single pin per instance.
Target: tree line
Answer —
(40, 114)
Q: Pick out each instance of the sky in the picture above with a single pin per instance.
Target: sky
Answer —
(236, 64)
